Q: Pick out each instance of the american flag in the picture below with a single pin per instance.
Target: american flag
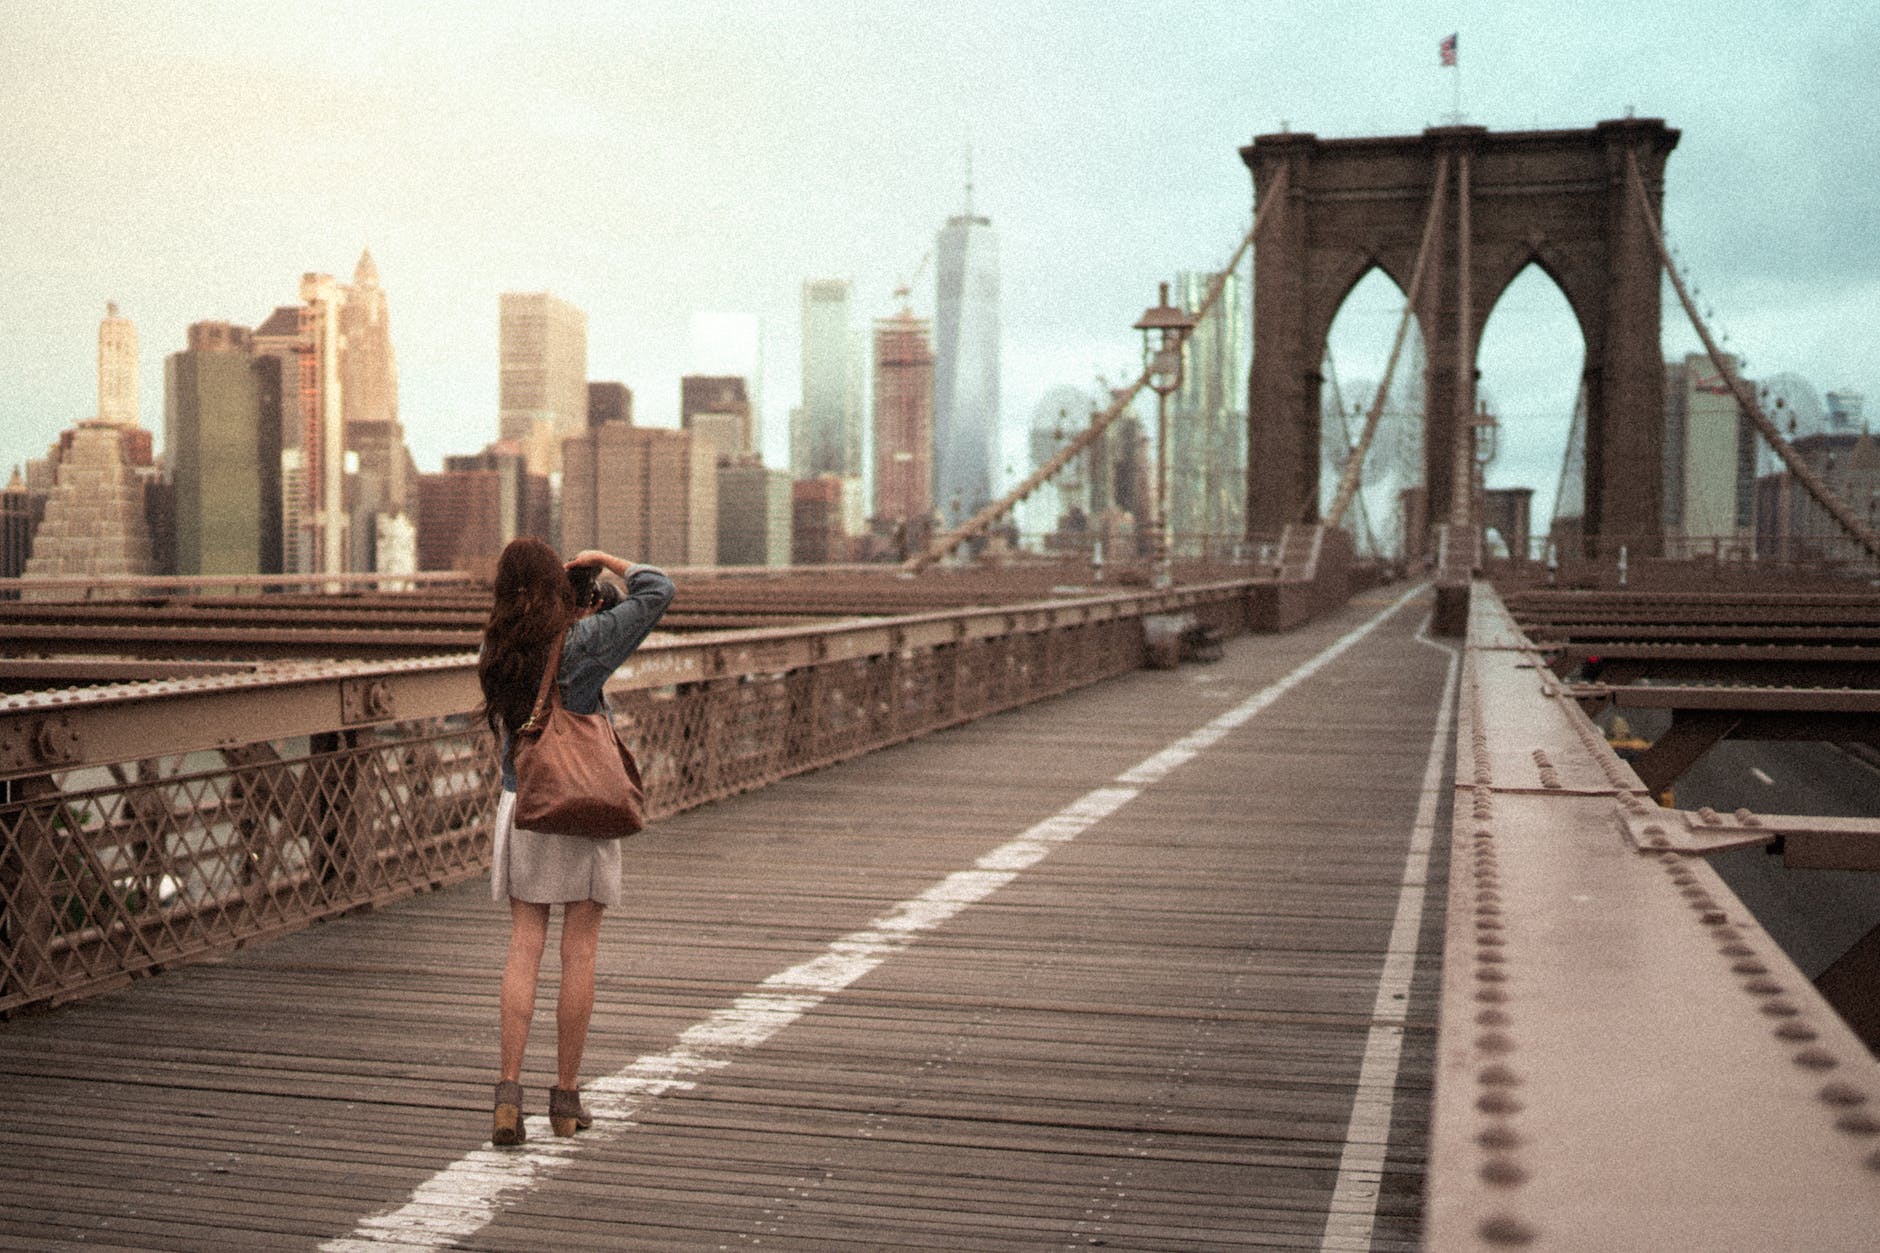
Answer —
(1447, 51)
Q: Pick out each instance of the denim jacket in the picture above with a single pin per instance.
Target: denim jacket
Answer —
(598, 643)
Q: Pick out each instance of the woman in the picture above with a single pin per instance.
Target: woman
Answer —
(535, 601)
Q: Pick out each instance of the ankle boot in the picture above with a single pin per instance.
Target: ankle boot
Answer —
(566, 1114)
(508, 1128)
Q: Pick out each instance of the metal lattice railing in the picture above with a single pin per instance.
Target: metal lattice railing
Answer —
(118, 860)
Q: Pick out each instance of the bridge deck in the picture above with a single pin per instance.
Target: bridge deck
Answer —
(879, 1005)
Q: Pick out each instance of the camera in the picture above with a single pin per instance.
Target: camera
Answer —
(590, 590)
(585, 580)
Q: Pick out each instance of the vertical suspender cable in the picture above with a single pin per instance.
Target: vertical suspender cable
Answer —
(1101, 420)
(1349, 482)
(1745, 398)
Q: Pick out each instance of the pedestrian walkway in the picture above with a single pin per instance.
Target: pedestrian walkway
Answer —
(1115, 969)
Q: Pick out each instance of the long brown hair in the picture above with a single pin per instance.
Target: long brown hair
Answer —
(534, 602)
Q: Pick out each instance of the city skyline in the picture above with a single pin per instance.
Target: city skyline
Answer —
(417, 153)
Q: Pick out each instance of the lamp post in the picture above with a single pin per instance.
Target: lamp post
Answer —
(1164, 327)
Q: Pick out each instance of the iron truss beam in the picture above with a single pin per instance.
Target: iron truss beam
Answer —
(1621, 1047)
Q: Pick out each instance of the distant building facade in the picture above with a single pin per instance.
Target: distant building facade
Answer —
(117, 368)
(222, 445)
(1791, 525)
(460, 521)
(368, 366)
(21, 509)
(826, 432)
(647, 493)
(966, 364)
(1710, 456)
(817, 536)
(609, 402)
(904, 363)
(542, 395)
(717, 407)
(754, 514)
(97, 520)
(1207, 469)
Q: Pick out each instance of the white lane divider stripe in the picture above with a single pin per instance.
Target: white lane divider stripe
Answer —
(465, 1196)
(1353, 1215)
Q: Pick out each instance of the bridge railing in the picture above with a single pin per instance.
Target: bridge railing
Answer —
(147, 824)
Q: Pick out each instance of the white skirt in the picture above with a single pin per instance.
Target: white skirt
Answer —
(549, 869)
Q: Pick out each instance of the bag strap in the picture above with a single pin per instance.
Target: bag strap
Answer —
(546, 695)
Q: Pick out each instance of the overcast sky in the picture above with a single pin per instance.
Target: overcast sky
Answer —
(654, 159)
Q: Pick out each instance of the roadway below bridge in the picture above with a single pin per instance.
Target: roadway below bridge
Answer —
(1815, 915)
(1150, 964)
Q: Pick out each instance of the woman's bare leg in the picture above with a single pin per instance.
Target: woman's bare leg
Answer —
(528, 934)
(580, 938)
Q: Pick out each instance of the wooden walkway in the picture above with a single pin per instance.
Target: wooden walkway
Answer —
(1149, 1038)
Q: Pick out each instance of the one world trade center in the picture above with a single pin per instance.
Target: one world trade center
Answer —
(966, 364)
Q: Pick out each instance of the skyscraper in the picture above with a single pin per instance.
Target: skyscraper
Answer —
(826, 433)
(222, 441)
(542, 350)
(323, 427)
(381, 489)
(904, 423)
(368, 367)
(117, 368)
(1207, 416)
(966, 363)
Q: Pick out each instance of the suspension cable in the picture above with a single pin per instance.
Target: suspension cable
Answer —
(1349, 481)
(1100, 421)
(1745, 396)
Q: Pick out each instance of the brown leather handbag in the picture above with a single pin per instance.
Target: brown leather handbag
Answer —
(574, 776)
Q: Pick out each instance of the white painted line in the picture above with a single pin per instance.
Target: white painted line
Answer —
(1761, 777)
(1353, 1214)
(466, 1196)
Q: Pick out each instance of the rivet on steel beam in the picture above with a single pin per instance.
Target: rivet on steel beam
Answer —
(1727, 935)
(1749, 968)
(1747, 818)
(1490, 955)
(1496, 1075)
(1492, 1017)
(1670, 859)
(1652, 828)
(1873, 1161)
(1736, 950)
(1779, 1009)
(1494, 1042)
(1763, 987)
(1713, 918)
(1707, 815)
(1498, 1136)
(1812, 1058)
(1842, 1094)
(1506, 1230)
(1498, 1103)
(1491, 975)
(1503, 1172)
(1489, 923)
(1799, 1032)
(1490, 939)
(1858, 1123)
(1487, 909)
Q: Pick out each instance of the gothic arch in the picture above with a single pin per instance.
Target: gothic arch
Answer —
(1554, 198)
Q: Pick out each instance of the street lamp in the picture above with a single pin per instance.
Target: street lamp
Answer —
(1163, 327)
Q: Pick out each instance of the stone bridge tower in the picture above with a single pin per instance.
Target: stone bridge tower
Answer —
(1556, 199)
